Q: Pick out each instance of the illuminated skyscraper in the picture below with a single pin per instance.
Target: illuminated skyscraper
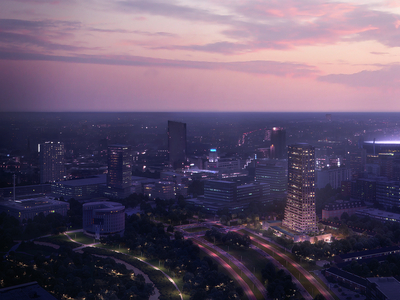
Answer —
(119, 174)
(176, 143)
(52, 161)
(300, 213)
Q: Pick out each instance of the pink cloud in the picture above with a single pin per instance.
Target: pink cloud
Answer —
(283, 24)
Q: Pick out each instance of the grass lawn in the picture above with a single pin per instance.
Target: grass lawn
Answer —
(60, 240)
(80, 237)
(248, 257)
(195, 229)
(257, 293)
(117, 248)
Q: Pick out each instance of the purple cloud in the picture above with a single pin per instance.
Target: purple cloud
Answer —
(387, 77)
(268, 68)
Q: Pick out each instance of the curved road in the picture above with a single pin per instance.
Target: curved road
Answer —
(92, 245)
(243, 284)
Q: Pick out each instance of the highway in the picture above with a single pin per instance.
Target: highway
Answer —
(304, 272)
(249, 293)
(243, 268)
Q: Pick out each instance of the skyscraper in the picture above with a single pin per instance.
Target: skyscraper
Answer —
(278, 143)
(300, 213)
(52, 161)
(119, 174)
(176, 143)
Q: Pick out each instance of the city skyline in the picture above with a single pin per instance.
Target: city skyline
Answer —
(199, 56)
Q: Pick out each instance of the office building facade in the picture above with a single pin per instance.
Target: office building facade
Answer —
(273, 172)
(278, 143)
(221, 194)
(176, 143)
(52, 162)
(103, 218)
(300, 215)
(119, 174)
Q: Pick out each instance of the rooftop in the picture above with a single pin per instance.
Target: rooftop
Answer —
(389, 286)
(98, 179)
(370, 252)
(32, 202)
(348, 276)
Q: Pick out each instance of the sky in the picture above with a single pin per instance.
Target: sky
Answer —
(200, 55)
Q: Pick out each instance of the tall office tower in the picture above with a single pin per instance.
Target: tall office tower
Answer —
(119, 176)
(273, 172)
(176, 143)
(52, 161)
(300, 213)
(278, 143)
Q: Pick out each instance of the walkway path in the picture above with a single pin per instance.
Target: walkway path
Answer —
(92, 245)
(136, 271)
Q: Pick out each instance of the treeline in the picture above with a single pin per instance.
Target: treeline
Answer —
(230, 238)
(70, 274)
(279, 284)
(11, 229)
(336, 247)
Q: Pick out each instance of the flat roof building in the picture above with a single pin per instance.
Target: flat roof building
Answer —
(79, 189)
(29, 208)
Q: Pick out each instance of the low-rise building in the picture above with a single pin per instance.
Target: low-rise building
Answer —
(337, 208)
(383, 288)
(350, 280)
(103, 218)
(379, 215)
(367, 254)
(79, 189)
(29, 208)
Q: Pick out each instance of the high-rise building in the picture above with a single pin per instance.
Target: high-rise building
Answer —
(52, 161)
(176, 143)
(278, 143)
(273, 172)
(300, 213)
(119, 176)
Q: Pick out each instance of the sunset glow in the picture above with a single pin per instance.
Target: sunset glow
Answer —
(181, 55)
